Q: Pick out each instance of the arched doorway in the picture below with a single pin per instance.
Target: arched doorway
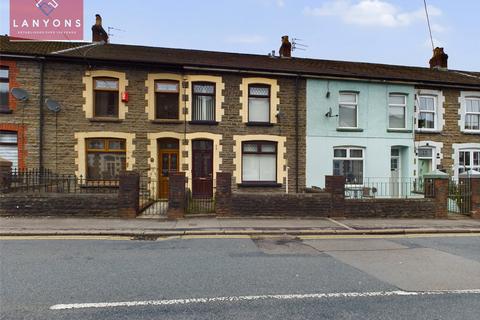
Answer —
(202, 165)
(168, 161)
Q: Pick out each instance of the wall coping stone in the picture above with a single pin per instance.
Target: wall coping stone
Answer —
(473, 174)
(436, 175)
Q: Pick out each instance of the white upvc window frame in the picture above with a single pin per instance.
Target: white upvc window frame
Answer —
(464, 97)
(439, 100)
(355, 104)
(465, 147)
(348, 157)
(434, 111)
(404, 106)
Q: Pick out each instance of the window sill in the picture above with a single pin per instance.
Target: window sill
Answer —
(471, 131)
(104, 119)
(259, 184)
(167, 121)
(427, 131)
(5, 111)
(211, 123)
(350, 129)
(259, 124)
(400, 130)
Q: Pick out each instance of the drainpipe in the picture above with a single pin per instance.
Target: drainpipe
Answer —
(296, 134)
(41, 115)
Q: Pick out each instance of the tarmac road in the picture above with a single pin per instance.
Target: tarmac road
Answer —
(242, 278)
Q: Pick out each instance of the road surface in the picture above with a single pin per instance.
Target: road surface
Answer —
(242, 278)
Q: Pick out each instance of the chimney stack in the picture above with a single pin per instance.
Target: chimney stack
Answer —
(98, 33)
(439, 60)
(286, 48)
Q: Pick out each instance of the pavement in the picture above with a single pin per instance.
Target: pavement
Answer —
(13, 226)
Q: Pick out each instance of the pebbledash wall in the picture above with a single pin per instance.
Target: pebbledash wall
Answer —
(372, 134)
(64, 133)
(449, 136)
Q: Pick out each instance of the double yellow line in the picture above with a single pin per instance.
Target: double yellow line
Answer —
(265, 236)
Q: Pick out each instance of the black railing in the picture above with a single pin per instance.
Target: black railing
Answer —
(148, 193)
(199, 204)
(386, 187)
(43, 180)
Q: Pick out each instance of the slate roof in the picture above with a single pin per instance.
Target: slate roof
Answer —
(240, 61)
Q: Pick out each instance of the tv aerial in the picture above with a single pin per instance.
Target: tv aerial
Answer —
(297, 45)
(20, 94)
(53, 105)
(109, 32)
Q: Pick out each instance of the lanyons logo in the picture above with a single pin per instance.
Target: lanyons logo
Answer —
(46, 19)
(46, 7)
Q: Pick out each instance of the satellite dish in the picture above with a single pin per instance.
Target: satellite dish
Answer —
(52, 105)
(20, 94)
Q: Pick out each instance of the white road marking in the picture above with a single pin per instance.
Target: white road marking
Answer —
(258, 297)
(340, 224)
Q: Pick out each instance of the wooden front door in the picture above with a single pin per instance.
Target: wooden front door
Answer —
(202, 173)
(168, 162)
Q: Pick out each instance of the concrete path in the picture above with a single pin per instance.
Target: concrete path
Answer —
(216, 226)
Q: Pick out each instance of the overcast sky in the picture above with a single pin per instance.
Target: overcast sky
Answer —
(381, 31)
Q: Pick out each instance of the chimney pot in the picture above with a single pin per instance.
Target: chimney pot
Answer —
(98, 33)
(439, 60)
(286, 48)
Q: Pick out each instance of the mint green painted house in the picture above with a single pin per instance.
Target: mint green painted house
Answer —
(363, 130)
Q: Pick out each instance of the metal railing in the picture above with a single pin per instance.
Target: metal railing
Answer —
(199, 204)
(46, 181)
(386, 187)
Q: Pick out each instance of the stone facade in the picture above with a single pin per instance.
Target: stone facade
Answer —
(64, 83)
(450, 133)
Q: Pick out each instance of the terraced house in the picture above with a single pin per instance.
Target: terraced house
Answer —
(154, 110)
(277, 123)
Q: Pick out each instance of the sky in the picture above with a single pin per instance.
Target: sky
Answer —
(377, 31)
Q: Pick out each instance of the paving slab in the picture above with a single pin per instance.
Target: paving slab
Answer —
(410, 223)
(278, 223)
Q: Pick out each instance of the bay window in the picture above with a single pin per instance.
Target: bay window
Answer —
(348, 162)
(347, 117)
(397, 105)
(203, 102)
(259, 161)
(106, 158)
(469, 160)
(166, 99)
(106, 97)
(258, 103)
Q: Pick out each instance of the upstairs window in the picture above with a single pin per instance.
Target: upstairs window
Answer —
(106, 158)
(4, 88)
(166, 99)
(427, 112)
(472, 113)
(259, 159)
(397, 105)
(347, 117)
(348, 162)
(203, 102)
(106, 97)
(258, 103)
